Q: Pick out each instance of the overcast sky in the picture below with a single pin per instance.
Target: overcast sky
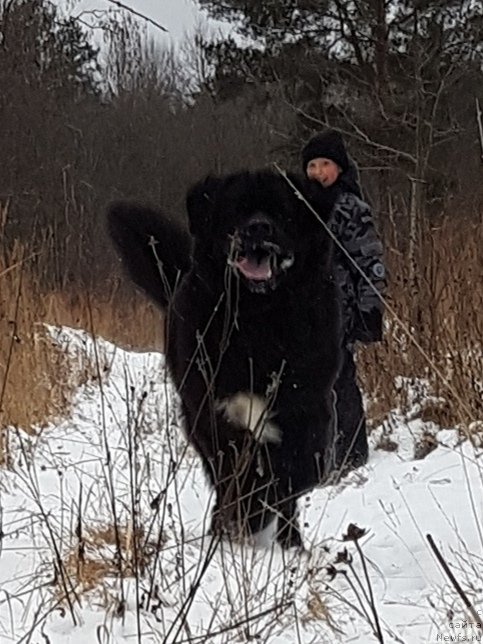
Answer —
(177, 16)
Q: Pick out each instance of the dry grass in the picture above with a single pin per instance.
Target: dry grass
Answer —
(443, 310)
(30, 362)
(36, 383)
(95, 557)
(120, 314)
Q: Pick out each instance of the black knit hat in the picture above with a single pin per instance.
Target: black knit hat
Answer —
(327, 145)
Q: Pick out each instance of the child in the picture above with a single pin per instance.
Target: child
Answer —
(325, 161)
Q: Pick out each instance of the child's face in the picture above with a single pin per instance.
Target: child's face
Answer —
(325, 171)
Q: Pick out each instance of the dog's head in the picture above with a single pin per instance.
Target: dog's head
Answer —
(255, 224)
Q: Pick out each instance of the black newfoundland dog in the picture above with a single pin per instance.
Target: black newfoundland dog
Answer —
(252, 337)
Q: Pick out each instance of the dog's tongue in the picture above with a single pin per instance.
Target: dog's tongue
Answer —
(254, 270)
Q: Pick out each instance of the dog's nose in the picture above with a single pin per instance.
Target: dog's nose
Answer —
(260, 227)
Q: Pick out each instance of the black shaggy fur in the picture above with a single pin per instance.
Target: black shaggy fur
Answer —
(255, 316)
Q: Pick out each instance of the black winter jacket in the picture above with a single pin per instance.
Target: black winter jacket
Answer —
(352, 224)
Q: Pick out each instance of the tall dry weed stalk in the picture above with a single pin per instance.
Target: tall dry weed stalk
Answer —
(444, 312)
(35, 375)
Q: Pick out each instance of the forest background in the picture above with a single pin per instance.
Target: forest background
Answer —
(81, 126)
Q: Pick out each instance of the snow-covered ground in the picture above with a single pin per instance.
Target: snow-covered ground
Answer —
(121, 461)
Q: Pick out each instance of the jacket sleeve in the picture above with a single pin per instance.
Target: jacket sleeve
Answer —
(360, 239)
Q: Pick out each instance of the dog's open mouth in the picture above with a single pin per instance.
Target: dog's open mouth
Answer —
(258, 262)
(261, 263)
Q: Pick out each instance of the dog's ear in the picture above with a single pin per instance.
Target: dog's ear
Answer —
(200, 202)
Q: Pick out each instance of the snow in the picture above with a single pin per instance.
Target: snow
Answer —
(122, 454)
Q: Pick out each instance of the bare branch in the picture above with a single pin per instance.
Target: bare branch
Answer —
(480, 126)
(358, 134)
(121, 5)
